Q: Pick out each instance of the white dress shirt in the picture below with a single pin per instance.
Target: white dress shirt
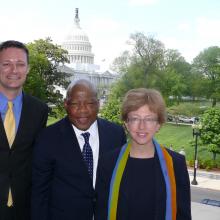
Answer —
(94, 143)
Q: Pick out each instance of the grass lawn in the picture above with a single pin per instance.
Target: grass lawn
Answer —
(179, 136)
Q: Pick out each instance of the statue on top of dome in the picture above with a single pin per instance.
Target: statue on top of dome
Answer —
(77, 20)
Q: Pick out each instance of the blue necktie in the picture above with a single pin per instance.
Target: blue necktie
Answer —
(87, 154)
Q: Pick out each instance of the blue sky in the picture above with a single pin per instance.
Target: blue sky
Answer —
(189, 26)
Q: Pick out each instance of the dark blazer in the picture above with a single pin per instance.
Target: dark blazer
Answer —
(62, 188)
(15, 163)
(104, 174)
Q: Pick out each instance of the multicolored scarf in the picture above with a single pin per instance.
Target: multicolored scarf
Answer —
(166, 164)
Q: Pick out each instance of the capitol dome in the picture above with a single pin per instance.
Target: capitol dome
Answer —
(78, 46)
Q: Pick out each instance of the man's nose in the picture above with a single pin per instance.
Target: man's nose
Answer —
(82, 107)
(14, 67)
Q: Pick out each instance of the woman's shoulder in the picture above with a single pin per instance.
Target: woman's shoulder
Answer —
(175, 155)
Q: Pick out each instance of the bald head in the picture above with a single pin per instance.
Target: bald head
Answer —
(81, 83)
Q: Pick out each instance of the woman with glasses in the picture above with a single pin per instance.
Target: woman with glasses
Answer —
(143, 179)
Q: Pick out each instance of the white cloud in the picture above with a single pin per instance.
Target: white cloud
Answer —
(142, 2)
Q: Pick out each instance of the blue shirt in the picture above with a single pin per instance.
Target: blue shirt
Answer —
(17, 106)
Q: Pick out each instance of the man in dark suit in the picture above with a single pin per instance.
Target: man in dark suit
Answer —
(17, 132)
(63, 180)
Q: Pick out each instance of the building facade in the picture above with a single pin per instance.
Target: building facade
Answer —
(81, 58)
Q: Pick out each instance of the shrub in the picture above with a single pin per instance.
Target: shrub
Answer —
(207, 164)
(187, 109)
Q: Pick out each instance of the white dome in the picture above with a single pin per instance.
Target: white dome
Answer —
(77, 44)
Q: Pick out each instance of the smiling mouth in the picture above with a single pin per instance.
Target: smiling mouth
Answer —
(13, 78)
(83, 120)
(142, 134)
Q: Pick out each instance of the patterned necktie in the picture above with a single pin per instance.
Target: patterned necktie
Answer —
(9, 125)
(87, 154)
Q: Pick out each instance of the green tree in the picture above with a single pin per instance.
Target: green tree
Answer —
(141, 67)
(207, 63)
(173, 78)
(112, 110)
(148, 56)
(151, 65)
(44, 75)
(210, 133)
(121, 63)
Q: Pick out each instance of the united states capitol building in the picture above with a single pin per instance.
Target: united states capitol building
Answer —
(81, 59)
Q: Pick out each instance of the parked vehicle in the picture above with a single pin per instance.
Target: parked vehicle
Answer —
(170, 117)
(190, 120)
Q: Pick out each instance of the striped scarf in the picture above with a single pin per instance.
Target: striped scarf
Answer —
(166, 164)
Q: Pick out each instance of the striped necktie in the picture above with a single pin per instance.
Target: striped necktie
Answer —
(9, 125)
(87, 154)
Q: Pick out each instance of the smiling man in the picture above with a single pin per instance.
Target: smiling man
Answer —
(66, 157)
(21, 118)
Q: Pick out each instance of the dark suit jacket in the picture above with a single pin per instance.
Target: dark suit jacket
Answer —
(15, 163)
(104, 174)
(62, 188)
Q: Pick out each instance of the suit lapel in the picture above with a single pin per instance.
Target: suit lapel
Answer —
(70, 140)
(24, 121)
(103, 137)
(69, 137)
(4, 142)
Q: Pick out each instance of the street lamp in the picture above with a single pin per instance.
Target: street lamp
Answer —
(196, 133)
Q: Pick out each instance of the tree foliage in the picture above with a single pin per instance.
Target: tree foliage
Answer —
(207, 64)
(112, 110)
(44, 75)
(210, 133)
(150, 65)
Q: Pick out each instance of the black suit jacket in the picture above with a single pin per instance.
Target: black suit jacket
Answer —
(15, 162)
(62, 188)
(104, 174)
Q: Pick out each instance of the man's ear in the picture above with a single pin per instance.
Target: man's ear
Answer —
(28, 69)
(98, 103)
(65, 103)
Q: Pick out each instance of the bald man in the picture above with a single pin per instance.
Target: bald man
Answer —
(63, 180)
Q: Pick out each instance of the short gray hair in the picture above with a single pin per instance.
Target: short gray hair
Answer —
(83, 82)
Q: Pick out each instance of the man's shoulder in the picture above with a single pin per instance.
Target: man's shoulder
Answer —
(175, 154)
(34, 100)
(177, 158)
(56, 125)
(53, 130)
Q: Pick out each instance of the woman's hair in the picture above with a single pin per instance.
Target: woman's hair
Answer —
(136, 98)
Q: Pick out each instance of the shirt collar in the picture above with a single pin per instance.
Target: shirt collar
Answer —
(92, 129)
(17, 101)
